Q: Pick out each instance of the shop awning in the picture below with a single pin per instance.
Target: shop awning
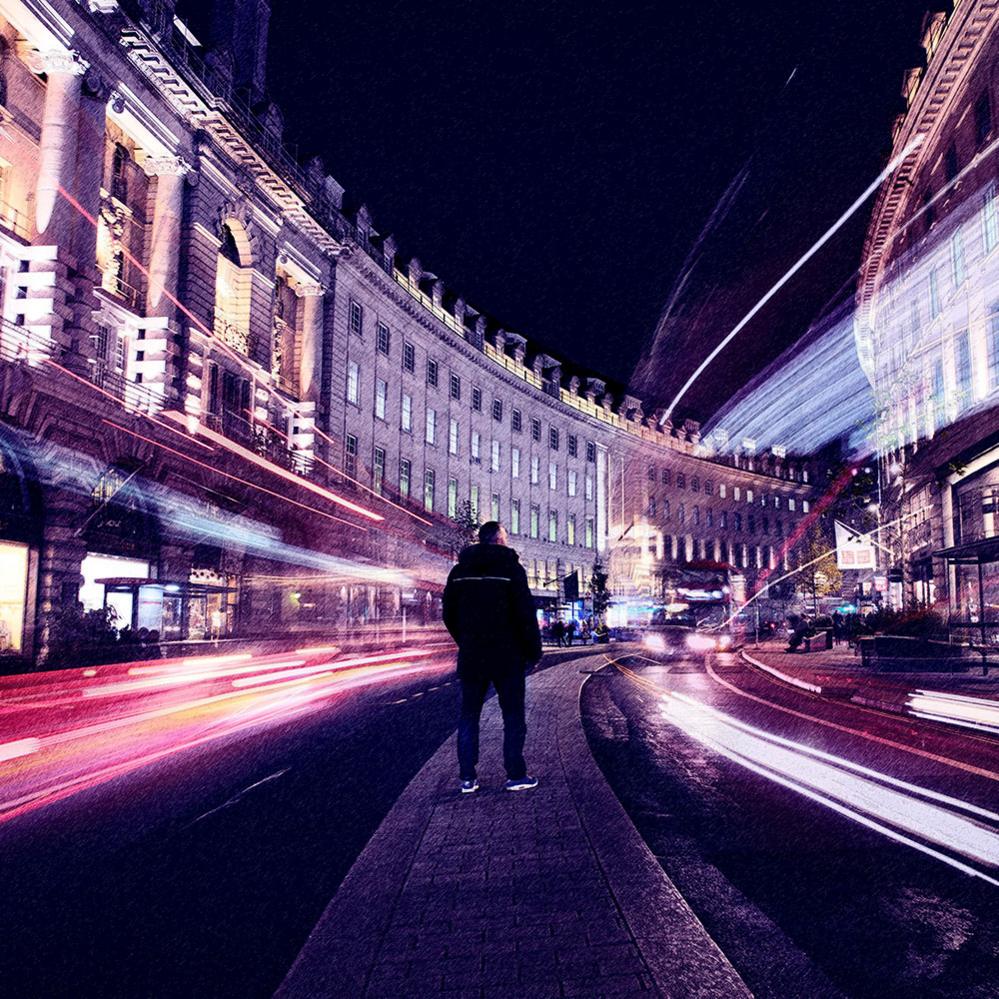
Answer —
(185, 587)
(972, 553)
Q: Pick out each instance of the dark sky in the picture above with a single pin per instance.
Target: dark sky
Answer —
(554, 160)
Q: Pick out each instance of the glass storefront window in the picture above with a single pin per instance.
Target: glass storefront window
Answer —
(13, 591)
(92, 593)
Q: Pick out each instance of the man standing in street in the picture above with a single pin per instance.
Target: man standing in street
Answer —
(489, 611)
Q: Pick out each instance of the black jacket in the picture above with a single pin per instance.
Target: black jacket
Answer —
(489, 610)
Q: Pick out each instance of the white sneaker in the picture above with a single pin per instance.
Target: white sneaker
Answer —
(469, 786)
(522, 784)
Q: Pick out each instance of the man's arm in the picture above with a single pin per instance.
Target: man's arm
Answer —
(448, 611)
(526, 619)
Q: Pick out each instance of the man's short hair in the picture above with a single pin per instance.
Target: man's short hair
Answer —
(489, 532)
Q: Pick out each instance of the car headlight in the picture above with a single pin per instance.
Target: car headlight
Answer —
(700, 643)
(724, 641)
(654, 642)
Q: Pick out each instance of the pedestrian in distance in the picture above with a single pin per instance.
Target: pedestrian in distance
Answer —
(570, 632)
(558, 633)
(489, 611)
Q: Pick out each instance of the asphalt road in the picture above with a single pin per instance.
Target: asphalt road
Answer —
(830, 850)
(202, 872)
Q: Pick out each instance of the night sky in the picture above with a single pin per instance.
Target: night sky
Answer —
(554, 162)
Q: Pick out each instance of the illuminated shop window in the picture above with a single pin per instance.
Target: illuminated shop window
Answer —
(13, 595)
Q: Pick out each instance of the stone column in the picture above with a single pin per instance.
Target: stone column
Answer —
(58, 147)
(311, 354)
(164, 243)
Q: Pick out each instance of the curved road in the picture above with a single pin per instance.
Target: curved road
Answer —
(830, 849)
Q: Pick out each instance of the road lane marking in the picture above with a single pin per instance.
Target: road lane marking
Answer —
(238, 796)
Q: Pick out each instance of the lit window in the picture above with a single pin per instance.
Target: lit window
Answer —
(805, 506)
(535, 520)
(736, 493)
(353, 382)
(571, 482)
(452, 497)
(476, 445)
(515, 516)
(749, 496)
(473, 501)
(494, 458)
(350, 455)
(515, 462)
(588, 487)
(722, 489)
(381, 391)
(589, 532)
(431, 435)
(552, 476)
(405, 474)
(552, 526)
(429, 482)
(495, 507)
(535, 469)
(452, 436)
(570, 529)
(378, 470)
(407, 412)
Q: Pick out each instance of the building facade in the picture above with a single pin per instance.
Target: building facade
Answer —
(928, 326)
(230, 411)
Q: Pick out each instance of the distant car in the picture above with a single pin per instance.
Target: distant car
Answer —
(682, 639)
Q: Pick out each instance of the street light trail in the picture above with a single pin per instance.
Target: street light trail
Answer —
(829, 233)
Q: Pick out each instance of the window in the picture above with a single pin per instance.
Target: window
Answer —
(378, 470)
(983, 118)
(535, 430)
(697, 515)
(405, 475)
(776, 502)
(652, 506)
(990, 220)
(383, 338)
(588, 487)
(652, 473)
(455, 386)
(681, 480)
(552, 476)
(452, 436)
(476, 446)
(805, 506)
(515, 516)
(353, 382)
(431, 427)
(589, 532)
(957, 269)
(408, 356)
(570, 529)
(552, 526)
(665, 509)
(962, 368)
(791, 504)
(681, 513)
(571, 482)
(515, 462)
(535, 520)
(722, 489)
(429, 486)
(535, 469)
(452, 497)
(573, 445)
(749, 496)
(432, 373)
(723, 519)
(950, 164)
(934, 294)
(517, 421)
(494, 506)
(473, 501)
(591, 451)
(737, 521)
(736, 493)
(407, 412)
(695, 484)
(356, 318)
(993, 340)
(477, 400)
(350, 456)
(709, 515)
(494, 458)
(709, 487)
(553, 438)
(498, 410)
(381, 391)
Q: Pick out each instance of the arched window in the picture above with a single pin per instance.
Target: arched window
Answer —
(232, 289)
(119, 173)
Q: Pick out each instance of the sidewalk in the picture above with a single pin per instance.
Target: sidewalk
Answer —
(946, 696)
(545, 893)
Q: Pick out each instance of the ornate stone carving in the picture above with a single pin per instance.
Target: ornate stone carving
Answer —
(57, 61)
(309, 289)
(158, 166)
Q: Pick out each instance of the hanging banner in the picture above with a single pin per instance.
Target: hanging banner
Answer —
(853, 549)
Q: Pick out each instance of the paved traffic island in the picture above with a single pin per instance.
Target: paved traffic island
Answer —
(547, 893)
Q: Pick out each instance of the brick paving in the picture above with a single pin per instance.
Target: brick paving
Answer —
(544, 893)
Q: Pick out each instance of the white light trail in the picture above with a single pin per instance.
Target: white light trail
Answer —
(919, 817)
(829, 233)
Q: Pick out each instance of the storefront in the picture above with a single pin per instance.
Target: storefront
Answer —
(171, 611)
(20, 531)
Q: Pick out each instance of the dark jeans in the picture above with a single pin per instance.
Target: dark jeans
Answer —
(510, 691)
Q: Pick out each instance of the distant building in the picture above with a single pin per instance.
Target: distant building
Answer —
(928, 326)
(230, 411)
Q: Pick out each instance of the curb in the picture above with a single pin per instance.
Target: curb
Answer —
(794, 681)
